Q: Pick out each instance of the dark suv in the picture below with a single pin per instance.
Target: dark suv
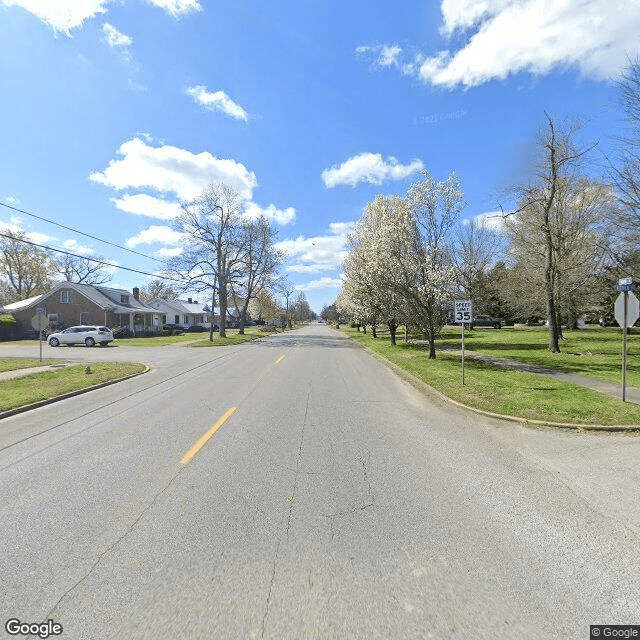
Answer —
(172, 330)
(486, 321)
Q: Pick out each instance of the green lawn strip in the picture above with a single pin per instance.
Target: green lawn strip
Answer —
(232, 338)
(14, 364)
(505, 392)
(195, 338)
(596, 353)
(157, 341)
(43, 386)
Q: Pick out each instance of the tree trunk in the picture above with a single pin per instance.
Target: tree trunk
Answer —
(392, 331)
(243, 318)
(552, 315)
(373, 330)
(222, 297)
(213, 312)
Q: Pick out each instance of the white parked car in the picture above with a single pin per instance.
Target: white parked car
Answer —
(88, 335)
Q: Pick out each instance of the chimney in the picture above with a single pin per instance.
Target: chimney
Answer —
(136, 293)
(189, 300)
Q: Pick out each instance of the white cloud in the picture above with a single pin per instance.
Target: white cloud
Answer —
(166, 252)
(61, 15)
(37, 237)
(493, 220)
(14, 224)
(217, 100)
(322, 283)
(279, 216)
(388, 55)
(504, 37)
(73, 246)
(114, 38)
(155, 234)
(318, 253)
(110, 267)
(177, 7)
(141, 204)
(170, 169)
(12, 200)
(369, 167)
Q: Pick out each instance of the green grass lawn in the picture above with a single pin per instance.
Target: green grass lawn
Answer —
(43, 386)
(501, 391)
(233, 337)
(590, 352)
(14, 364)
(157, 341)
(195, 339)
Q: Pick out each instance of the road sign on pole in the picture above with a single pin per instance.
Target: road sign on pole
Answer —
(633, 309)
(627, 311)
(463, 314)
(40, 322)
(463, 311)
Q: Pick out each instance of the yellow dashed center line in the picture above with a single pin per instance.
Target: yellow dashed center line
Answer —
(198, 445)
(280, 359)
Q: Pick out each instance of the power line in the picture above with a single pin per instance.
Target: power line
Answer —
(88, 235)
(103, 262)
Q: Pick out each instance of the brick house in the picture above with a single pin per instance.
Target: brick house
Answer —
(69, 304)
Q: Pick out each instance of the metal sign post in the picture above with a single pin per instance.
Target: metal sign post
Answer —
(463, 353)
(39, 322)
(627, 311)
(463, 313)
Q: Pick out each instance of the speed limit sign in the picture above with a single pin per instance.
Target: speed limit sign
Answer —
(463, 311)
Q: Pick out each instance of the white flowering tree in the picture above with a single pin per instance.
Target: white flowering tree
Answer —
(399, 267)
(378, 247)
(428, 283)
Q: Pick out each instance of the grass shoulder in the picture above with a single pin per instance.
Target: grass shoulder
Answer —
(15, 364)
(501, 391)
(592, 352)
(45, 386)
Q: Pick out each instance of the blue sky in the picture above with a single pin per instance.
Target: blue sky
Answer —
(112, 111)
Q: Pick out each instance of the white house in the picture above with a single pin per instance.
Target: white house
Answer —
(182, 312)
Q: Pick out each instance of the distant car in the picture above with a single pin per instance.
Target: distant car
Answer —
(87, 335)
(196, 328)
(486, 321)
(172, 329)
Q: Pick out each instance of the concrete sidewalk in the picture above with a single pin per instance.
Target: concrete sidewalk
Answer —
(22, 373)
(603, 386)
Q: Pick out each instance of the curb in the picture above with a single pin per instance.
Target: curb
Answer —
(416, 382)
(70, 394)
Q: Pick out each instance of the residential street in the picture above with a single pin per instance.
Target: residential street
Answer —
(336, 501)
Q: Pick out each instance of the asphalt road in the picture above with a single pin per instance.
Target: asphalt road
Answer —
(335, 501)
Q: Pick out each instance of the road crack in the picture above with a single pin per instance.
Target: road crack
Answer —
(291, 500)
(113, 545)
(298, 459)
(367, 503)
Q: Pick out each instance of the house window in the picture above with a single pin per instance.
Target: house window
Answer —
(124, 299)
(177, 320)
(53, 318)
(84, 317)
(65, 297)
